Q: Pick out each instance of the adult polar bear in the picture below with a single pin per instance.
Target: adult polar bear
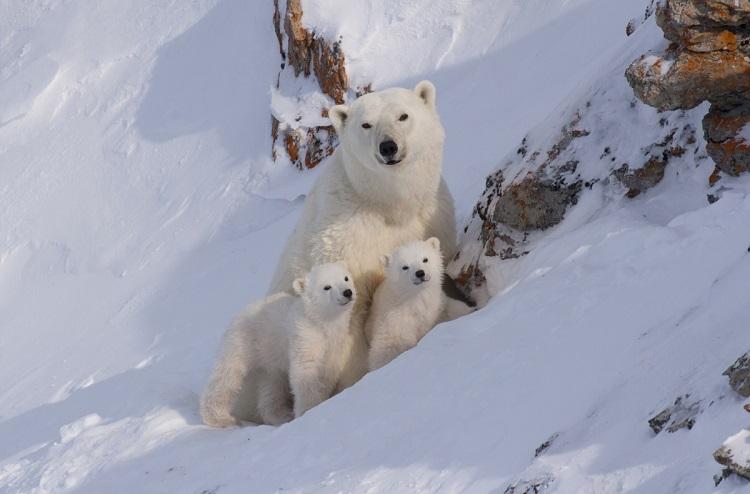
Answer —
(383, 187)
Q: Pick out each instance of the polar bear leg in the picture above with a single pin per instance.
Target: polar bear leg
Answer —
(274, 405)
(355, 360)
(225, 386)
(310, 387)
(387, 345)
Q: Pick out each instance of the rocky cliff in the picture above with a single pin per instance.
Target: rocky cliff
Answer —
(312, 77)
(707, 59)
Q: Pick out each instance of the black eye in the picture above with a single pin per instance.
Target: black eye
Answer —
(366, 126)
(425, 260)
(346, 278)
(405, 268)
(403, 117)
(327, 287)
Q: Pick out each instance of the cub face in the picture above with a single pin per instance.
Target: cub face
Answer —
(389, 129)
(327, 289)
(415, 265)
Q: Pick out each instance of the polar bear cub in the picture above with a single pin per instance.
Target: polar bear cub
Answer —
(408, 303)
(290, 347)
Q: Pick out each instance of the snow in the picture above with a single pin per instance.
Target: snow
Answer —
(739, 445)
(141, 211)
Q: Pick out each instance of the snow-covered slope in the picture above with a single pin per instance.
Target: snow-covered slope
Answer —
(137, 217)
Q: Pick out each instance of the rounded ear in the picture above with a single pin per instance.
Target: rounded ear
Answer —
(434, 243)
(299, 286)
(338, 115)
(385, 261)
(426, 91)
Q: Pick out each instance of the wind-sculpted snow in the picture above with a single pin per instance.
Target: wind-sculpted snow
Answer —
(141, 212)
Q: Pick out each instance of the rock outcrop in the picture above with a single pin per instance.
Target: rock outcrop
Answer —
(304, 54)
(734, 455)
(680, 415)
(739, 375)
(708, 59)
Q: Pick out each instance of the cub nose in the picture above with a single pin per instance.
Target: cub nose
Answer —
(388, 148)
(420, 274)
(348, 293)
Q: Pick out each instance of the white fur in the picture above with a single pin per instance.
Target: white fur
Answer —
(361, 209)
(284, 354)
(403, 309)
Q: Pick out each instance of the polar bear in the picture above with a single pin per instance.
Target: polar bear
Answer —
(408, 303)
(290, 347)
(382, 187)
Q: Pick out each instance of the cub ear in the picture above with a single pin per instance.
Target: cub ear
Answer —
(426, 91)
(338, 115)
(299, 286)
(434, 243)
(385, 261)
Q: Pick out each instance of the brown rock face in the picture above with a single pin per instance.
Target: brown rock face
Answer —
(709, 60)
(726, 143)
(307, 54)
(534, 204)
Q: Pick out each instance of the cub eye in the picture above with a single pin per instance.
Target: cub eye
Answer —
(425, 260)
(405, 268)
(403, 117)
(327, 287)
(366, 125)
(346, 278)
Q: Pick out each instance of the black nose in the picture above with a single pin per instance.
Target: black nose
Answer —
(348, 293)
(420, 274)
(388, 148)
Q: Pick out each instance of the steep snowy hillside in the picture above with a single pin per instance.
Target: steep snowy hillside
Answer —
(141, 210)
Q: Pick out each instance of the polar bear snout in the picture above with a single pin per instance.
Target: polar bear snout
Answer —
(388, 149)
(420, 277)
(347, 297)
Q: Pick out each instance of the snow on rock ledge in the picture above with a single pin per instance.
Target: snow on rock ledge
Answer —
(734, 454)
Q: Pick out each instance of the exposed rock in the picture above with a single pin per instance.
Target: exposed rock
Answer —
(708, 60)
(739, 375)
(307, 54)
(534, 486)
(534, 203)
(545, 445)
(641, 179)
(680, 415)
(726, 136)
(734, 454)
(684, 79)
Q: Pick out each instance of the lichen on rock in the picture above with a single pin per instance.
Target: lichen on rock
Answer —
(708, 60)
(307, 55)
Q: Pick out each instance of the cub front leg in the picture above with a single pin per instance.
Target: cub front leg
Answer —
(310, 379)
(387, 345)
(273, 398)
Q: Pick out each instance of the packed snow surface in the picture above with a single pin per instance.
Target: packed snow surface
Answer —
(140, 211)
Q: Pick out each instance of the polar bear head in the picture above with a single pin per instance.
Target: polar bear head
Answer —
(391, 131)
(327, 290)
(415, 265)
